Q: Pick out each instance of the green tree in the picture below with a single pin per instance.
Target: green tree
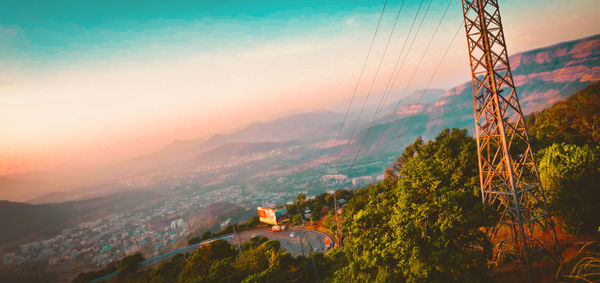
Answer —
(130, 264)
(301, 199)
(254, 260)
(166, 271)
(223, 271)
(421, 224)
(272, 245)
(575, 120)
(85, 277)
(316, 212)
(206, 235)
(278, 270)
(253, 243)
(251, 223)
(199, 263)
(571, 176)
(296, 219)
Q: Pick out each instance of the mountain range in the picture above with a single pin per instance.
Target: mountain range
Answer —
(294, 151)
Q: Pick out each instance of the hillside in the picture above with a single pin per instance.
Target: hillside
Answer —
(31, 222)
(34, 221)
(575, 120)
(426, 226)
(544, 77)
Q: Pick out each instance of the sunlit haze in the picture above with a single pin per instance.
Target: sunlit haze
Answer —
(92, 82)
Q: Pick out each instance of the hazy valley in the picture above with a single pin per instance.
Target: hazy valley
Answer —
(208, 181)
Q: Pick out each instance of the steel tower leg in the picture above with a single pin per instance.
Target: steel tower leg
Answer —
(508, 175)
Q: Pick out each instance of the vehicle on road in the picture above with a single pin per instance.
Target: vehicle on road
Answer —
(276, 228)
(293, 235)
(327, 243)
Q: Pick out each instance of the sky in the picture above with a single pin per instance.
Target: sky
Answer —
(92, 82)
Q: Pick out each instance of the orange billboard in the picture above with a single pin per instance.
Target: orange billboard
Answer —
(267, 215)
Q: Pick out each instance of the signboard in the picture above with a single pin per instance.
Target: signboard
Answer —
(267, 215)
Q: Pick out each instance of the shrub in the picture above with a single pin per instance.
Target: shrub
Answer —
(571, 176)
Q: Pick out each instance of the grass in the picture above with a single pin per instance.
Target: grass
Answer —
(585, 267)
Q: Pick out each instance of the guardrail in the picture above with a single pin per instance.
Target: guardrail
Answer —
(164, 256)
(160, 258)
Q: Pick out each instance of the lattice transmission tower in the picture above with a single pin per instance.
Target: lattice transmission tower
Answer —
(508, 174)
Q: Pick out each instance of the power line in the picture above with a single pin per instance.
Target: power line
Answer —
(376, 114)
(403, 48)
(435, 72)
(391, 80)
(362, 71)
(343, 151)
(338, 236)
(421, 61)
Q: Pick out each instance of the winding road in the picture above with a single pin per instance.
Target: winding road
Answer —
(303, 242)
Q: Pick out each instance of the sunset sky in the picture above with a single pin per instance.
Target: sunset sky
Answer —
(90, 82)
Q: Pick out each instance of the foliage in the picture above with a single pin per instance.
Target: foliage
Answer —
(199, 263)
(206, 235)
(575, 120)
(571, 174)
(166, 271)
(130, 264)
(218, 261)
(320, 205)
(85, 277)
(253, 243)
(423, 222)
(296, 220)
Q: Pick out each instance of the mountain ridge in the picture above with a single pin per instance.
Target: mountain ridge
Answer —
(543, 76)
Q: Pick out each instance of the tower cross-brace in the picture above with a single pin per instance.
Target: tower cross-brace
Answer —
(508, 174)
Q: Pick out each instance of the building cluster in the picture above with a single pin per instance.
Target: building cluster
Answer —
(101, 241)
(149, 230)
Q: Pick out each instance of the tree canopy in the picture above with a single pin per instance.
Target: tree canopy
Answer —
(423, 223)
(571, 176)
(575, 120)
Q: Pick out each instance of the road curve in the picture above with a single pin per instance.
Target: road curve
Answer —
(304, 242)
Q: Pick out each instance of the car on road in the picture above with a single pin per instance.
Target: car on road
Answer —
(253, 236)
(293, 235)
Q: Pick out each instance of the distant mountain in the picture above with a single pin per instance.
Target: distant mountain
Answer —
(288, 154)
(33, 187)
(22, 222)
(300, 127)
(305, 141)
(394, 99)
(238, 150)
(543, 77)
(303, 127)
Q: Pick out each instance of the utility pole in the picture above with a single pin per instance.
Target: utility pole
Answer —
(236, 234)
(508, 174)
(337, 222)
